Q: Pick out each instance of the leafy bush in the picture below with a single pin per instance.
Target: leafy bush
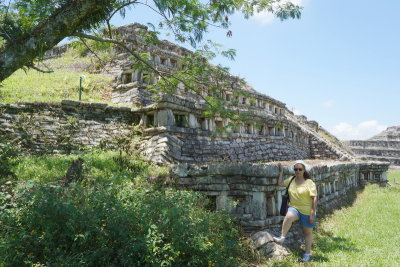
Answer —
(107, 225)
(8, 152)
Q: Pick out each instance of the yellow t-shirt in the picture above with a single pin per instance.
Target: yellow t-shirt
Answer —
(300, 195)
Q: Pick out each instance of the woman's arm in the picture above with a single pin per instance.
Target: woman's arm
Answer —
(313, 208)
(280, 179)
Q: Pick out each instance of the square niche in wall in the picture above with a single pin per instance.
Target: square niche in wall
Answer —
(180, 120)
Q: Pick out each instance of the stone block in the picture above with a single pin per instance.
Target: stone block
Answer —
(211, 187)
(243, 187)
(181, 170)
(186, 181)
(258, 206)
(262, 181)
(165, 117)
(70, 103)
(255, 223)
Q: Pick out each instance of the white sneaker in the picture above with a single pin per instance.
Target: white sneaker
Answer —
(279, 240)
(306, 258)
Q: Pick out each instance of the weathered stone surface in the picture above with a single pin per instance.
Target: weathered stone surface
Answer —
(275, 251)
(165, 117)
(63, 128)
(261, 238)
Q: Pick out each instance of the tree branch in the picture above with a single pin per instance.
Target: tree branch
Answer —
(162, 15)
(5, 18)
(101, 61)
(112, 41)
(121, 7)
(70, 17)
(109, 29)
(39, 70)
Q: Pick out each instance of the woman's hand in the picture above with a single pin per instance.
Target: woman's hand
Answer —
(312, 219)
(280, 180)
(280, 167)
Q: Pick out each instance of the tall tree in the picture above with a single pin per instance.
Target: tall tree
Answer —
(28, 28)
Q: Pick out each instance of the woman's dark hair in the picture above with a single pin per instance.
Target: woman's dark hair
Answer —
(306, 174)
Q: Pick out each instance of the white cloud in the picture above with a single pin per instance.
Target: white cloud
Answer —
(361, 131)
(266, 17)
(328, 104)
(296, 111)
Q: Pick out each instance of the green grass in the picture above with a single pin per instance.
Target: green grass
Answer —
(364, 234)
(98, 166)
(63, 83)
(394, 176)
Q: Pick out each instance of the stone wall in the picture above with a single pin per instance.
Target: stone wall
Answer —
(321, 150)
(175, 130)
(250, 191)
(63, 127)
(124, 95)
(196, 139)
(57, 51)
(176, 144)
(384, 146)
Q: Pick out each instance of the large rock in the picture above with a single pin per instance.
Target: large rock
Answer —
(261, 238)
(264, 241)
(275, 251)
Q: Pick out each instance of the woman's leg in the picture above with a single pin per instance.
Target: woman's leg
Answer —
(308, 236)
(290, 217)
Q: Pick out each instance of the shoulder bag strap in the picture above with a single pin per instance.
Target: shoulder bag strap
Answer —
(287, 188)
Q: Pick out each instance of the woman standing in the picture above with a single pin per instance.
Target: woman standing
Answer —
(302, 205)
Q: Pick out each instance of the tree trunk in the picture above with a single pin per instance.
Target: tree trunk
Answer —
(65, 21)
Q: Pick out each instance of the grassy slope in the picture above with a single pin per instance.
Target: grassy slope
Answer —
(63, 83)
(98, 165)
(364, 234)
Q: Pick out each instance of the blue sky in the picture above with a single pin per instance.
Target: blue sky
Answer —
(338, 64)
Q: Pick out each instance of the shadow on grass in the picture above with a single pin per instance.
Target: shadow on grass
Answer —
(325, 241)
(344, 201)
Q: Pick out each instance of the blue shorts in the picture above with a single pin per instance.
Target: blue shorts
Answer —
(304, 219)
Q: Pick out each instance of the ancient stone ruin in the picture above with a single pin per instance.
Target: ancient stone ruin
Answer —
(234, 169)
(175, 127)
(178, 131)
(383, 147)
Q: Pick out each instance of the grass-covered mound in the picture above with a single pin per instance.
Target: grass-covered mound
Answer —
(112, 217)
(30, 85)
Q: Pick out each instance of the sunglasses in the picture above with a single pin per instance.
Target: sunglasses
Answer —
(295, 169)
